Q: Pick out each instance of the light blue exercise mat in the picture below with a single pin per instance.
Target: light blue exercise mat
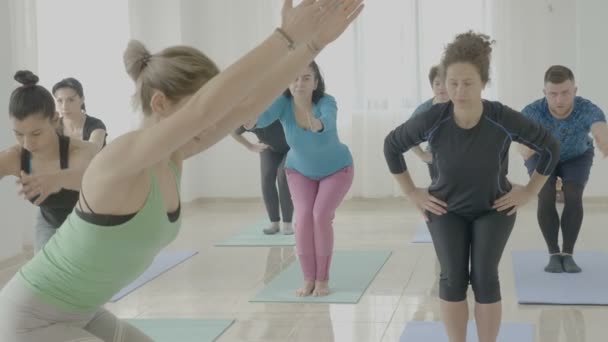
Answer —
(253, 236)
(164, 261)
(182, 330)
(535, 286)
(350, 275)
(435, 332)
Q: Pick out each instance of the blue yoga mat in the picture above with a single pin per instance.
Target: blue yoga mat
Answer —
(253, 236)
(535, 286)
(435, 332)
(182, 330)
(163, 262)
(350, 275)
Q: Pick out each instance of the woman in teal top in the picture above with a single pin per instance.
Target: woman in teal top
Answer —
(129, 207)
(319, 171)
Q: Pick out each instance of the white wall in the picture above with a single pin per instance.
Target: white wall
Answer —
(88, 47)
(225, 30)
(16, 213)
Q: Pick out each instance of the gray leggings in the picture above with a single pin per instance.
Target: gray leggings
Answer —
(43, 232)
(478, 242)
(272, 166)
(25, 318)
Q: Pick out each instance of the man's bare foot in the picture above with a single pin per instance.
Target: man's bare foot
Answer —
(306, 290)
(321, 288)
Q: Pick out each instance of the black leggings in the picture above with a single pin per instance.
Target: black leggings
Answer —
(572, 216)
(272, 170)
(477, 242)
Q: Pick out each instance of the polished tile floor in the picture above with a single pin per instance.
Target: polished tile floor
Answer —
(219, 282)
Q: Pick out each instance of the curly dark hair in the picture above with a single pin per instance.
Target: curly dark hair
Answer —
(469, 47)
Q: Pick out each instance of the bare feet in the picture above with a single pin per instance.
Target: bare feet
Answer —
(321, 288)
(306, 290)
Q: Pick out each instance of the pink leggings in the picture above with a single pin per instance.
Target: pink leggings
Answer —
(315, 203)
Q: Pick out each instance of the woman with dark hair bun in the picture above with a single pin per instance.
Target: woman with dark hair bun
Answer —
(48, 166)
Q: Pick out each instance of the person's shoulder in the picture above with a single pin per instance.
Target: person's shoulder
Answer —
(327, 98)
(535, 107)
(583, 103)
(423, 107)
(93, 121)
(435, 115)
(80, 146)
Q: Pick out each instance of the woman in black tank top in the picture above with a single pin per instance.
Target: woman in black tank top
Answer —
(49, 166)
(74, 121)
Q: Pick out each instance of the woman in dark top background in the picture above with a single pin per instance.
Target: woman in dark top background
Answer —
(273, 149)
(470, 205)
(74, 121)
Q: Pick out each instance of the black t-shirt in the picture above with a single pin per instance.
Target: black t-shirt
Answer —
(272, 135)
(91, 123)
(471, 164)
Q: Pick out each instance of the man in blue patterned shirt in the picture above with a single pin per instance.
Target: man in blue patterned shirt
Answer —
(570, 119)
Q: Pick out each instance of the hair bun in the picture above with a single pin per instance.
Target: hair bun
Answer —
(26, 78)
(135, 58)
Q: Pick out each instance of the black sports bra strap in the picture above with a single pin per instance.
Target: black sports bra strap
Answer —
(64, 151)
(26, 163)
(85, 202)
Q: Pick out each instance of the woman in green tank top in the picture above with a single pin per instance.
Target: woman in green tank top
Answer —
(129, 206)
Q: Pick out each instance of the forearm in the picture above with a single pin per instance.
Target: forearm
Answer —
(275, 82)
(525, 151)
(241, 140)
(418, 151)
(70, 179)
(405, 182)
(536, 182)
(233, 85)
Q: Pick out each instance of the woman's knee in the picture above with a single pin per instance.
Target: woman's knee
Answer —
(486, 286)
(453, 285)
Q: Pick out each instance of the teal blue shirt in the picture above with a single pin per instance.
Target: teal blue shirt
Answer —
(424, 107)
(315, 155)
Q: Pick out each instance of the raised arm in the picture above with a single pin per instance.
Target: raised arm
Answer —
(326, 114)
(226, 100)
(599, 130)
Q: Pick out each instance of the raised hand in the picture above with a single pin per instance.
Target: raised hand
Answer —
(301, 22)
(337, 16)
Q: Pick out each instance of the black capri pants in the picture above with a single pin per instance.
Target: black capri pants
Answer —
(469, 250)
